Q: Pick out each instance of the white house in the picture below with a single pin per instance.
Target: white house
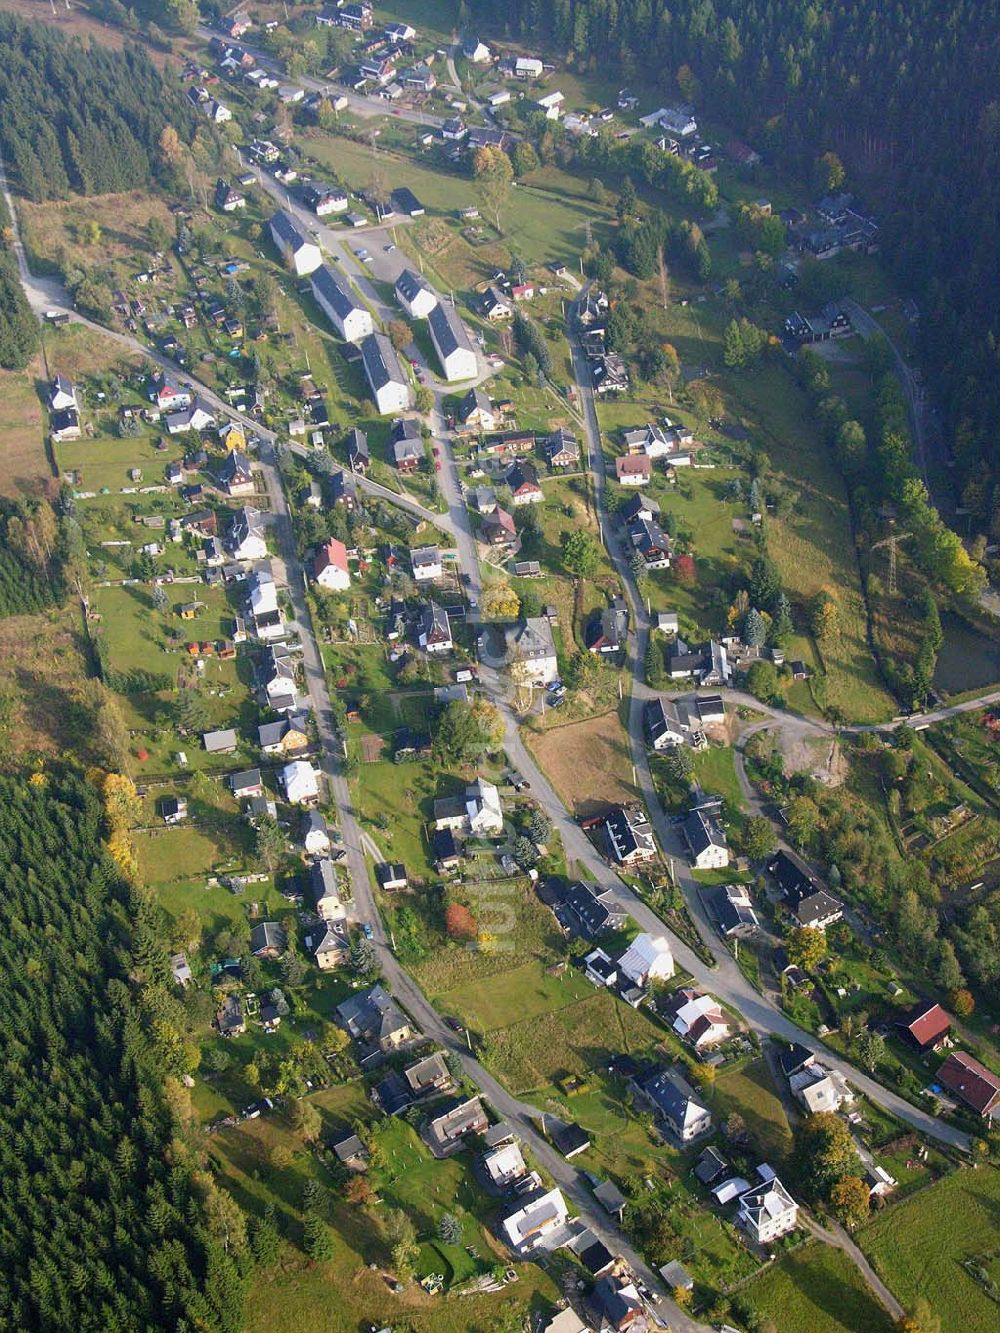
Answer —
(706, 841)
(246, 536)
(504, 1165)
(417, 297)
(328, 903)
(820, 1089)
(527, 1228)
(426, 563)
(663, 725)
(434, 629)
(648, 958)
(531, 651)
(351, 319)
(552, 104)
(330, 566)
(767, 1212)
(167, 395)
(300, 781)
(701, 1022)
(266, 614)
(528, 67)
(452, 343)
(62, 394)
(483, 808)
(475, 51)
(198, 416)
(300, 254)
(315, 834)
(389, 385)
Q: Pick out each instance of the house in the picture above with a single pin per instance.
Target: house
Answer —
(522, 479)
(452, 343)
(315, 834)
(588, 911)
(531, 647)
(434, 629)
(652, 543)
(268, 940)
(245, 539)
(648, 958)
(62, 394)
(352, 320)
(327, 902)
(700, 1021)
(526, 1228)
(429, 1075)
(476, 412)
(229, 1019)
(64, 425)
(352, 1153)
(406, 444)
(330, 570)
(818, 911)
(374, 1018)
(634, 470)
(198, 416)
(324, 201)
(247, 783)
(475, 51)
(343, 489)
(453, 130)
(391, 876)
(483, 808)
(663, 724)
(619, 1306)
(706, 841)
(301, 782)
(794, 1058)
(425, 562)
(599, 969)
(734, 912)
(173, 809)
(446, 1131)
(264, 610)
(710, 1166)
(219, 742)
(286, 736)
(397, 33)
(417, 297)
(925, 1027)
(299, 253)
(499, 529)
(276, 679)
(767, 1212)
(168, 396)
(389, 385)
(504, 1165)
(235, 474)
(820, 1089)
(972, 1083)
(560, 449)
(446, 851)
(227, 199)
(180, 970)
(357, 450)
(608, 632)
(609, 374)
(494, 305)
(669, 1097)
(329, 944)
(257, 807)
(403, 199)
(528, 67)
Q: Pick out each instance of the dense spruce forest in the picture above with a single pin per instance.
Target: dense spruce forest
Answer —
(906, 93)
(106, 1222)
(80, 118)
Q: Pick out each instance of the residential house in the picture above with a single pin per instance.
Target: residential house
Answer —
(734, 912)
(343, 489)
(587, 910)
(327, 901)
(699, 1020)
(391, 876)
(167, 395)
(527, 1227)
(663, 724)
(634, 470)
(499, 528)
(374, 1018)
(820, 1089)
(276, 679)
(706, 841)
(494, 305)
(609, 374)
(429, 1075)
(818, 911)
(173, 809)
(528, 67)
(300, 782)
(425, 562)
(315, 834)
(767, 1212)
(619, 1306)
(264, 610)
(600, 969)
(673, 1101)
(531, 647)
(483, 809)
(325, 200)
(219, 742)
(245, 539)
(358, 456)
(330, 570)
(452, 343)
(652, 543)
(446, 851)
(235, 474)
(406, 444)
(229, 1019)
(389, 384)
(453, 130)
(352, 1153)
(289, 735)
(608, 631)
(62, 394)
(560, 449)
(925, 1027)
(446, 1130)
(247, 783)
(974, 1084)
(522, 479)
(475, 51)
(268, 940)
(228, 199)
(434, 629)
(329, 944)
(794, 1058)
(648, 958)
(299, 253)
(639, 507)
(504, 1165)
(198, 416)
(477, 413)
(593, 308)
(415, 294)
(352, 320)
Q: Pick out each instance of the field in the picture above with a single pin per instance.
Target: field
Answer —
(53, 228)
(587, 762)
(918, 1247)
(523, 992)
(816, 1290)
(24, 460)
(750, 1092)
(715, 771)
(43, 673)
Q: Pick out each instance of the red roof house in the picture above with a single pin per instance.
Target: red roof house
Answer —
(926, 1026)
(976, 1085)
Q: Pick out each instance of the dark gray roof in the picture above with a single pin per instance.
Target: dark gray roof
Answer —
(288, 230)
(334, 290)
(409, 285)
(447, 330)
(381, 362)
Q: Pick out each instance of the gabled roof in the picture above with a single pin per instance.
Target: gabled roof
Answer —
(978, 1086)
(927, 1023)
(332, 554)
(334, 290)
(448, 331)
(288, 231)
(409, 285)
(702, 832)
(381, 363)
(522, 476)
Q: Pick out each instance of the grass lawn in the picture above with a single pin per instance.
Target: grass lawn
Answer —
(24, 463)
(918, 1247)
(523, 992)
(817, 1290)
(750, 1091)
(175, 854)
(44, 673)
(588, 762)
(715, 771)
(403, 795)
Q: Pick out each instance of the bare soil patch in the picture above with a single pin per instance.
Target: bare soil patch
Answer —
(587, 762)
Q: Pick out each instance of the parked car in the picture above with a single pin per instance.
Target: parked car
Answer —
(366, 930)
(452, 1023)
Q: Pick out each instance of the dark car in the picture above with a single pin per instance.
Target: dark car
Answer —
(453, 1023)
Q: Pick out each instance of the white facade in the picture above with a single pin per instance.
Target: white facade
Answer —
(330, 569)
(452, 344)
(527, 1228)
(483, 807)
(647, 959)
(426, 564)
(300, 781)
(768, 1212)
(300, 254)
(349, 317)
